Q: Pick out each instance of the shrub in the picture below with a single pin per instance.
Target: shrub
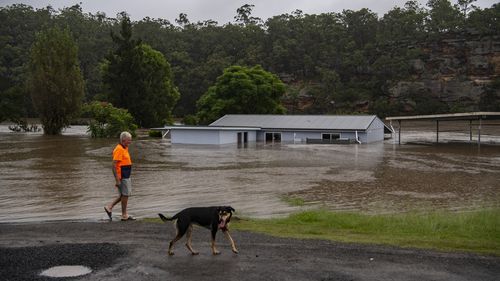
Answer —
(154, 134)
(190, 120)
(108, 121)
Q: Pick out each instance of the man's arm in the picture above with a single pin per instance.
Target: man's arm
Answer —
(115, 172)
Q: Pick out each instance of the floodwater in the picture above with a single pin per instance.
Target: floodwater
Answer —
(69, 177)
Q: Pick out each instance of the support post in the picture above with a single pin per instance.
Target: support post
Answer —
(470, 130)
(399, 132)
(479, 133)
(437, 131)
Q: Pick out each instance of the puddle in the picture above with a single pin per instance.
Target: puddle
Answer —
(66, 271)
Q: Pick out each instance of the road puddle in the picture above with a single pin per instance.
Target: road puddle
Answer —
(66, 271)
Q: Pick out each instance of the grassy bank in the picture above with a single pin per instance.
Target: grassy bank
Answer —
(477, 232)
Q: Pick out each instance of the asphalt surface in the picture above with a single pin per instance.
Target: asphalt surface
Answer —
(138, 251)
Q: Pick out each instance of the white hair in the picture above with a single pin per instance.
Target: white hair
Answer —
(125, 135)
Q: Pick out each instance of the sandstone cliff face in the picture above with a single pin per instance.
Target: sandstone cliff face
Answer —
(452, 71)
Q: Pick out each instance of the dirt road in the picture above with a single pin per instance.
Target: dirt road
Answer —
(138, 251)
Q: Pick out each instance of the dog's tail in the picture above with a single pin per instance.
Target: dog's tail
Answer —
(165, 219)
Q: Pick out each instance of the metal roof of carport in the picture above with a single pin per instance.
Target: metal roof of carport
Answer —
(301, 122)
(467, 116)
(452, 116)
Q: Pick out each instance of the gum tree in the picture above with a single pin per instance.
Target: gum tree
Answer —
(55, 81)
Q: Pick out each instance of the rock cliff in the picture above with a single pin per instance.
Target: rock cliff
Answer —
(455, 71)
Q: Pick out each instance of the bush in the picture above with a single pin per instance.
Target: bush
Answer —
(190, 120)
(108, 121)
(154, 134)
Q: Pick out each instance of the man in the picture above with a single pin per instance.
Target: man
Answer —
(122, 168)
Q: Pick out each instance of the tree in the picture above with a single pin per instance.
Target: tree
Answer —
(139, 79)
(361, 25)
(20, 23)
(11, 101)
(485, 21)
(444, 17)
(242, 90)
(402, 23)
(244, 15)
(56, 83)
(91, 34)
(466, 6)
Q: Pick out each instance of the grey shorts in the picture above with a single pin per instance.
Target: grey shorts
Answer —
(125, 187)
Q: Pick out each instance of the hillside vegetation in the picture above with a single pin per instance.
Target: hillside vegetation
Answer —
(443, 57)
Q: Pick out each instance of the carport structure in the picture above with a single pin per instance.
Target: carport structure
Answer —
(470, 116)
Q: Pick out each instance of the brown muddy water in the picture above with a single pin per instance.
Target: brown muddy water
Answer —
(69, 177)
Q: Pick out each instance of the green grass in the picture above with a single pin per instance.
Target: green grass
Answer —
(293, 201)
(477, 232)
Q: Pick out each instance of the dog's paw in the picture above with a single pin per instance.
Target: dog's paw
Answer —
(170, 253)
(235, 251)
(216, 253)
(195, 253)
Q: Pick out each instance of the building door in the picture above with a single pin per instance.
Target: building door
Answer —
(242, 137)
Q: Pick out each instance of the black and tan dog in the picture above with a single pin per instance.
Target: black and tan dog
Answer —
(213, 218)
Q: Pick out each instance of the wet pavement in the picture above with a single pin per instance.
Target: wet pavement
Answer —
(138, 251)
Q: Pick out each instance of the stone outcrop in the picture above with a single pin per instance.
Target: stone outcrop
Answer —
(453, 71)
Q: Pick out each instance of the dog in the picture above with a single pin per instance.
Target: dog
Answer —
(213, 218)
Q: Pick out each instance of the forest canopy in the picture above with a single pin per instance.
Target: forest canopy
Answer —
(331, 63)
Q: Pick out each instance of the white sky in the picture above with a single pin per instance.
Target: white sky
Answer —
(222, 11)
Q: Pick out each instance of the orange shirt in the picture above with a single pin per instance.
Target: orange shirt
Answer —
(122, 158)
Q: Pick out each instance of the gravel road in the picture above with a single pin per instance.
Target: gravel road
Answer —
(138, 251)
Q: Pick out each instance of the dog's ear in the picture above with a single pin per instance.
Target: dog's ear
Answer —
(232, 209)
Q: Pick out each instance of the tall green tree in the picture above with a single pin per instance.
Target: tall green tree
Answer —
(11, 102)
(402, 23)
(139, 79)
(91, 34)
(242, 90)
(486, 21)
(244, 15)
(443, 16)
(56, 83)
(361, 26)
(466, 6)
(20, 23)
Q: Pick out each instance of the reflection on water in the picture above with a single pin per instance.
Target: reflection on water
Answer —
(69, 177)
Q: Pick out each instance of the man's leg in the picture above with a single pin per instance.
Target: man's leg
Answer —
(124, 200)
(112, 204)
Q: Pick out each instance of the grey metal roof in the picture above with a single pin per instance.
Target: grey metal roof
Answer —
(451, 116)
(304, 122)
(207, 128)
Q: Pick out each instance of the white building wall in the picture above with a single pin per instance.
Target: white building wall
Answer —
(226, 137)
(195, 136)
(301, 136)
(252, 136)
(375, 131)
(208, 136)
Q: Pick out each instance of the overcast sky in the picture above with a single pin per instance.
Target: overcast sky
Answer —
(222, 11)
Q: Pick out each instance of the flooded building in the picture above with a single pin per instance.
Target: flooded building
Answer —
(241, 128)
